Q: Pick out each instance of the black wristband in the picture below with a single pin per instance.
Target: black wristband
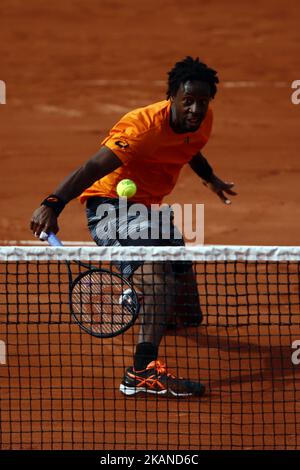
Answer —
(55, 202)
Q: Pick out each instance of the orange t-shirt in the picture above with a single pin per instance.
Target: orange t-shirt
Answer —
(151, 152)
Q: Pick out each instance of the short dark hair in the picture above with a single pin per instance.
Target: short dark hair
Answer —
(191, 69)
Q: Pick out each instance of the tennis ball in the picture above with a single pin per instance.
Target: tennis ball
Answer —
(126, 188)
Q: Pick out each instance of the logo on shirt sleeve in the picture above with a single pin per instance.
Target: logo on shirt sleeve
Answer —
(122, 144)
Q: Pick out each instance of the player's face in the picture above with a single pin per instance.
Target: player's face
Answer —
(189, 106)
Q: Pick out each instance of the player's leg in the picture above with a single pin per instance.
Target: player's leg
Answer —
(150, 375)
(187, 309)
(157, 283)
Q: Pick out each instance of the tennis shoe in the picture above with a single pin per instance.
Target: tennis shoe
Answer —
(155, 379)
(127, 298)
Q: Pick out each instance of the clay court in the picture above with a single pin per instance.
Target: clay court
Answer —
(71, 71)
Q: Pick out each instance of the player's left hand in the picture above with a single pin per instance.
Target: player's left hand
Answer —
(220, 187)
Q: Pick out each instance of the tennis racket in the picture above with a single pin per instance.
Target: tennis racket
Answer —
(102, 302)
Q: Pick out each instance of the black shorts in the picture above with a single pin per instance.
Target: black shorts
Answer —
(111, 223)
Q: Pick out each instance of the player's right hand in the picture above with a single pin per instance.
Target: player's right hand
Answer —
(43, 219)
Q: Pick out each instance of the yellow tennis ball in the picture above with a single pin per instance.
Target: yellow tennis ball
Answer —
(126, 188)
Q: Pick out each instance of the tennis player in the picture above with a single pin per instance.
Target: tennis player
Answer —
(149, 145)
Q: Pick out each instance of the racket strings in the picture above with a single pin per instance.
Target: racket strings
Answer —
(103, 302)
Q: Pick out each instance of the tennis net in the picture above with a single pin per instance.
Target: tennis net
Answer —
(60, 386)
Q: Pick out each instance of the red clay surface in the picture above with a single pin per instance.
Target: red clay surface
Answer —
(71, 70)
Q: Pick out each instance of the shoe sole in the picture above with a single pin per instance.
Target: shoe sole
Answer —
(129, 391)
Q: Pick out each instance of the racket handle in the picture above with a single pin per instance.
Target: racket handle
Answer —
(51, 239)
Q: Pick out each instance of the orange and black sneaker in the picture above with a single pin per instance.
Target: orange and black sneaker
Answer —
(157, 380)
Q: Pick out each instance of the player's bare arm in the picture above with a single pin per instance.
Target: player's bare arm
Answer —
(201, 167)
(99, 165)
